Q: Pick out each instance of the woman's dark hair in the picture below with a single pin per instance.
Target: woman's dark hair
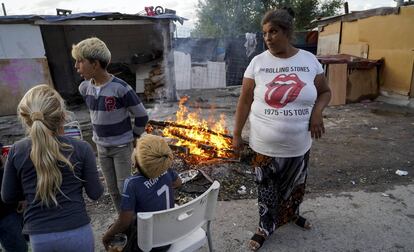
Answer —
(282, 18)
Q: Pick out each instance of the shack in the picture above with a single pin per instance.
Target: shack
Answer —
(37, 49)
(382, 33)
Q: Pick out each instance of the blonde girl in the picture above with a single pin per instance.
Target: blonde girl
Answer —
(49, 171)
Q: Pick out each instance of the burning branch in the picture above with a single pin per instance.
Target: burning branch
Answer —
(199, 144)
(198, 139)
(164, 124)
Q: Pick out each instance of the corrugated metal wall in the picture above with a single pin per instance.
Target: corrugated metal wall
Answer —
(22, 64)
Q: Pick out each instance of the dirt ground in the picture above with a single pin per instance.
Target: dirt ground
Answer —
(364, 145)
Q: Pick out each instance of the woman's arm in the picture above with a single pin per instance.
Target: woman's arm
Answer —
(10, 189)
(125, 219)
(242, 111)
(93, 185)
(316, 126)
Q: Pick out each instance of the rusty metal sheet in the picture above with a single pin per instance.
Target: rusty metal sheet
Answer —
(16, 77)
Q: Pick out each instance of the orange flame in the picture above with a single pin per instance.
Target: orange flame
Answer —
(198, 136)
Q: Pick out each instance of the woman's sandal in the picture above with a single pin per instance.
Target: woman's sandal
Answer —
(256, 241)
(302, 222)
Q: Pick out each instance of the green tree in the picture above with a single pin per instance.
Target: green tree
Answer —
(219, 18)
(224, 18)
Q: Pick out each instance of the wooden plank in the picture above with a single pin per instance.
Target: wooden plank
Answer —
(329, 44)
(329, 39)
(359, 49)
(331, 28)
(412, 84)
(362, 83)
(337, 77)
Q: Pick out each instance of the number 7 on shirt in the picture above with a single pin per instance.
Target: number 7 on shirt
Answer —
(164, 189)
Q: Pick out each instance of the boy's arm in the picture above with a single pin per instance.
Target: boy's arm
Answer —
(137, 109)
(125, 218)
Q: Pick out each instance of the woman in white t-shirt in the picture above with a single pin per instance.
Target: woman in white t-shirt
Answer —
(284, 93)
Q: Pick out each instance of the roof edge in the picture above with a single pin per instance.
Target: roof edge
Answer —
(381, 11)
(16, 19)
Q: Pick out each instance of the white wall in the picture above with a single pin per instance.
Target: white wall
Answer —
(200, 76)
(182, 69)
(216, 74)
(21, 41)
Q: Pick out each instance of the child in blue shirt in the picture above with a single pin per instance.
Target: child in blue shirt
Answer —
(151, 189)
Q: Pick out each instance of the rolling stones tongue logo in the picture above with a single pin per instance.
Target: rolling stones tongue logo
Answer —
(282, 90)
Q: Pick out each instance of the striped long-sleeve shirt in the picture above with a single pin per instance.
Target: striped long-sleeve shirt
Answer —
(111, 106)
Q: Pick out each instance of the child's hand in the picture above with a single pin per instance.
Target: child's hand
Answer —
(106, 240)
(177, 183)
(134, 142)
(21, 206)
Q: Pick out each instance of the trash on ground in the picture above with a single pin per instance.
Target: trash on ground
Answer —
(182, 199)
(352, 182)
(188, 175)
(242, 190)
(385, 195)
(401, 173)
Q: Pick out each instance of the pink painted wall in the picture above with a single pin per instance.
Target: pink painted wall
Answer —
(16, 77)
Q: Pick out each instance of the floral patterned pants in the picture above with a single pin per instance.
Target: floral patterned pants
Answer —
(281, 187)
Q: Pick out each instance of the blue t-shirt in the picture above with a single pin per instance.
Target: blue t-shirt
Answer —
(20, 181)
(147, 195)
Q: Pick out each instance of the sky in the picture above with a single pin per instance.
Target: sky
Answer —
(184, 8)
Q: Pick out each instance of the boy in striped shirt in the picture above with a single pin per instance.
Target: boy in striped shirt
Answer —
(111, 103)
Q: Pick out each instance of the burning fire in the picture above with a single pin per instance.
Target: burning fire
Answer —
(207, 139)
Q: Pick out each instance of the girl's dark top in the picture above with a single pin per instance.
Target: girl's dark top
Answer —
(20, 179)
(5, 209)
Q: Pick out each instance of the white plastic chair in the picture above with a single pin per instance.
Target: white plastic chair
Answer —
(73, 129)
(72, 126)
(180, 226)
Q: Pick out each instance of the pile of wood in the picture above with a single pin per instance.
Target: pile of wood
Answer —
(156, 127)
(154, 84)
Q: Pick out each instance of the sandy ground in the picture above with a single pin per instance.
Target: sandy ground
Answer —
(351, 167)
(347, 221)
